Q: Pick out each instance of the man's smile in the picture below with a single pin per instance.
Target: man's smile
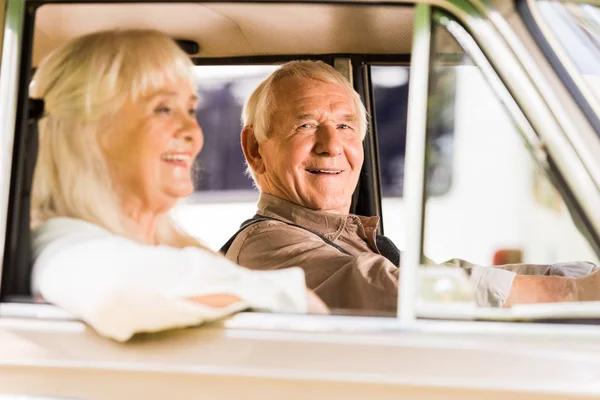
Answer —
(317, 171)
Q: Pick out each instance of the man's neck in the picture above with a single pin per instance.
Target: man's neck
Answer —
(340, 211)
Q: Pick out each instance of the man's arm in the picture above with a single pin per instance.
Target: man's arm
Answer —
(510, 284)
(541, 289)
(550, 289)
(367, 281)
(370, 282)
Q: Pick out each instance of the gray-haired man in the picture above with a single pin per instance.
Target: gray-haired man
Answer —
(302, 139)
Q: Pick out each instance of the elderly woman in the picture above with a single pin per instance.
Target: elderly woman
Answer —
(117, 144)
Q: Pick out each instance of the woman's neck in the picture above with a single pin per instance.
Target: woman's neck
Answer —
(143, 223)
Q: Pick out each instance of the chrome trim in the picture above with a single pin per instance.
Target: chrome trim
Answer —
(558, 49)
(468, 44)
(9, 89)
(588, 155)
(416, 138)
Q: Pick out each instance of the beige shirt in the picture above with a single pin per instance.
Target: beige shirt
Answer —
(364, 279)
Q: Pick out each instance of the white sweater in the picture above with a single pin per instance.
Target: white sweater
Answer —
(121, 287)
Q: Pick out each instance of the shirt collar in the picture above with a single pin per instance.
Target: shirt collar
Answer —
(324, 223)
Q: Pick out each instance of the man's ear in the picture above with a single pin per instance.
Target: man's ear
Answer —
(251, 150)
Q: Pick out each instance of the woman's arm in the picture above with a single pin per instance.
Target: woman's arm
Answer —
(121, 287)
(315, 304)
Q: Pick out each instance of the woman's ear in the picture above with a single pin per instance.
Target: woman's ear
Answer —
(251, 150)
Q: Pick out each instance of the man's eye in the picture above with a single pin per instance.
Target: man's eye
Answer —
(192, 112)
(343, 126)
(306, 126)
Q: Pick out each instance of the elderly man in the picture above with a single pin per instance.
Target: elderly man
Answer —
(302, 139)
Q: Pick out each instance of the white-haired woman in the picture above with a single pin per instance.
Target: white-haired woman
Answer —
(117, 143)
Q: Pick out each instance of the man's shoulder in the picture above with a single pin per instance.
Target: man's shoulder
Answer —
(271, 230)
(265, 234)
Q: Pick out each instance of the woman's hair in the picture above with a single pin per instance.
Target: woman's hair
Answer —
(260, 106)
(84, 85)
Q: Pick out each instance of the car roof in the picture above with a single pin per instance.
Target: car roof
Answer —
(239, 29)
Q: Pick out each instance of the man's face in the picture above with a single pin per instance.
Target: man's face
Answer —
(314, 153)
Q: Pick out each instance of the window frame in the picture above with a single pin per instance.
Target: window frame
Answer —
(417, 141)
(10, 86)
(486, 37)
(562, 64)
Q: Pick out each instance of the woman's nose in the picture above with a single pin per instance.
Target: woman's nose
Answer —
(191, 131)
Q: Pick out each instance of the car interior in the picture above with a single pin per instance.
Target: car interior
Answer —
(353, 38)
(349, 37)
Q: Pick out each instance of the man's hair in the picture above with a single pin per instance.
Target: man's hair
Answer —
(260, 106)
(84, 85)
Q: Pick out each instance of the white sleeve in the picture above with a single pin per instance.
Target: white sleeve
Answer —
(120, 287)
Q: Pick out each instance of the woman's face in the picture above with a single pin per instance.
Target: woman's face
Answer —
(152, 147)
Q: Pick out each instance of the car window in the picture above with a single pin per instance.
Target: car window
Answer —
(501, 207)
(390, 91)
(224, 195)
(481, 192)
(222, 91)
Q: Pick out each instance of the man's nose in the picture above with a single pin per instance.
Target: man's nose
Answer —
(328, 141)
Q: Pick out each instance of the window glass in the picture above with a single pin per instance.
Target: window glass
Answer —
(224, 195)
(390, 91)
(500, 208)
(577, 28)
(222, 91)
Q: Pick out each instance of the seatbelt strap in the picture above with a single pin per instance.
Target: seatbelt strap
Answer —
(259, 218)
(386, 247)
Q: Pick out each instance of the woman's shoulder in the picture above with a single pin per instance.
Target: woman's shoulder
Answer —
(60, 226)
(64, 229)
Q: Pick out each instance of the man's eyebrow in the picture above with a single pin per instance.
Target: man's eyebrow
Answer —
(302, 117)
(350, 117)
